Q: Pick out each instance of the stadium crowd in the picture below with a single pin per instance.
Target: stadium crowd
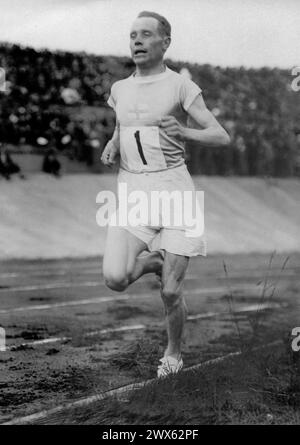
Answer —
(256, 106)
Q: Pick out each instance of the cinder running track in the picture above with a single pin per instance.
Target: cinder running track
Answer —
(69, 337)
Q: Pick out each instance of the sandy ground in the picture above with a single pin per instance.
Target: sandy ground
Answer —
(45, 217)
(35, 377)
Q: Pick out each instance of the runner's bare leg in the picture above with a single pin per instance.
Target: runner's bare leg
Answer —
(150, 263)
(121, 265)
(173, 273)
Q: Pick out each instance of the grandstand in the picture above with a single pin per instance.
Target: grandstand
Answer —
(59, 98)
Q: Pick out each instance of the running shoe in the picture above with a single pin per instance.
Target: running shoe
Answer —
(169, 365)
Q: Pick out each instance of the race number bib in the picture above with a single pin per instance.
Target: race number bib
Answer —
(140, 149)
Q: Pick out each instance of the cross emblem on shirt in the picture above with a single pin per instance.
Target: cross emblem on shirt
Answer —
(138, 111)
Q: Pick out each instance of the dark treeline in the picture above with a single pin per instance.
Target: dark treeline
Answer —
(257, 107)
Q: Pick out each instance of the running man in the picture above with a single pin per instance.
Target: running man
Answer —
(152, 107)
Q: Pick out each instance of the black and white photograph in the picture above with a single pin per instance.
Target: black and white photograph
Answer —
(149, 215)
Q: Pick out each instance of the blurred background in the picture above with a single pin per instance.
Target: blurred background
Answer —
(58, 60)
(241, 55)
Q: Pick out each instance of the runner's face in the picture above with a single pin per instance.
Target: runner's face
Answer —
(146, 44)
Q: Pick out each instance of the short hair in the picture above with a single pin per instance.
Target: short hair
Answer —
(164, 26)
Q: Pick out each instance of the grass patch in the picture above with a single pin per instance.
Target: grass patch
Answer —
(140, 358)
(257, 387)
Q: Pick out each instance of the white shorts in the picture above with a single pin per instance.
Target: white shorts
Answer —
(161, 235)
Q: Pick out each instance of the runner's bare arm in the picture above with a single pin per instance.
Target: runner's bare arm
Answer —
(116, 136)
(212, 133)
(112, 148)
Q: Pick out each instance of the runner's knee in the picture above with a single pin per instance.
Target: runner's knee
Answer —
(117, 282)
(171, 297)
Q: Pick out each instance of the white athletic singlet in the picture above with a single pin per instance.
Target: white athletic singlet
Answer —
(140, 103)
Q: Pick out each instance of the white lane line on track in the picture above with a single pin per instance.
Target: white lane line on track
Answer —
(250, 308)
(68, 284)
(123, 389)
(62, 285)
(246, 309)
(259, 273)
(217, 289)
(34, 274)
(41, 307)
(49, 340)
(96, 300)
(97, 271)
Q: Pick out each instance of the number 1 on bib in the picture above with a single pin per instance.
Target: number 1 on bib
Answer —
(139, 146)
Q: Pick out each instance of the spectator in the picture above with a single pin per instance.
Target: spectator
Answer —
(3, 168)
(51, 164)
(7, 166)
(44, 90)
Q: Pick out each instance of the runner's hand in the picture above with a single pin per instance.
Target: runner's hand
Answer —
(172, 127)
(109, 154)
